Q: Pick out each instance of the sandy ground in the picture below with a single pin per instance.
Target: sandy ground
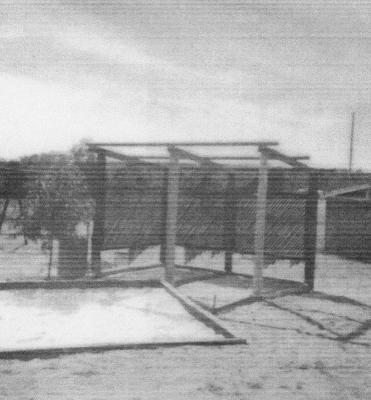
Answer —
(20, 262)
(299, 347)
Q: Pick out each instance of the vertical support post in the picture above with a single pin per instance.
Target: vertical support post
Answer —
(261, 209)
(230, 213)
(321, 223)
(171, 217)
(164, 221)
(100, 199)
(310, 229)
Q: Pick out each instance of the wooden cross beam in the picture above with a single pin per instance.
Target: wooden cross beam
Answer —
(223, 158)
(183, 154)
(348, 190)
(276, 155)
(204, 144)
(122, 157)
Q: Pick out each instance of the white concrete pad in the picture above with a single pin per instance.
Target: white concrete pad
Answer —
(42, 318)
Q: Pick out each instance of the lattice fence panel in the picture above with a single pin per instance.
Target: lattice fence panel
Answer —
(135, 212)
(348, 228)
(284, 227)
(135, 207)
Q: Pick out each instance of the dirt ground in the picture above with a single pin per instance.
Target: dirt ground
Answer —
(298, 347)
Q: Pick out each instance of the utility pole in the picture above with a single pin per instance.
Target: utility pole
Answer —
(351, 142)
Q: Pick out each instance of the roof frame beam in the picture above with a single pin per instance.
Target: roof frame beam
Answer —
(208, 162)
(276, 155)
(166, 144)
(348, 190)
(123, 157)
(224, 158)
(183, 154)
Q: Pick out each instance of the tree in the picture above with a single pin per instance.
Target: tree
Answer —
(57, 198)
(12, 185)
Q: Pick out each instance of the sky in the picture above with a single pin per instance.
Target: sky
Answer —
(289, 71)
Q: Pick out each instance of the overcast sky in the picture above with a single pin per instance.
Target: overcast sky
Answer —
(287, 70)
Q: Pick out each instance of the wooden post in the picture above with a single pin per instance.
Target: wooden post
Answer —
(171, 217)
(230, 213)
(310, 230)
(164, 221)
(100, 199)
(261, 205)
(321, 223)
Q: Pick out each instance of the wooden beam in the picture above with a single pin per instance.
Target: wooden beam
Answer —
(250, 158)
(199, 313)
(186, 155)
(100, 200)
(276, 155)
(348, 190)
(165, 144)
(238, 158)
(123, 157)
(225, 158)
(310, 229)
(183, 154)
(171, 217)
(259, 242)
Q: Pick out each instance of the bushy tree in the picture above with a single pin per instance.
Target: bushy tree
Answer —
(57, 197)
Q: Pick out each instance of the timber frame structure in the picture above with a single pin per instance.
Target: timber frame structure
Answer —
(172, 162)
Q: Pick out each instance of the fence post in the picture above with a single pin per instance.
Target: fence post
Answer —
(230, 213)
(171, 217)
(100, 199)
(321, 223)
(310, 229)
(164, 217)
(261, 206)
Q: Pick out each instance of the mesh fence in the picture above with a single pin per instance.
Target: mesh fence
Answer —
(214, 212)
(348, 228)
